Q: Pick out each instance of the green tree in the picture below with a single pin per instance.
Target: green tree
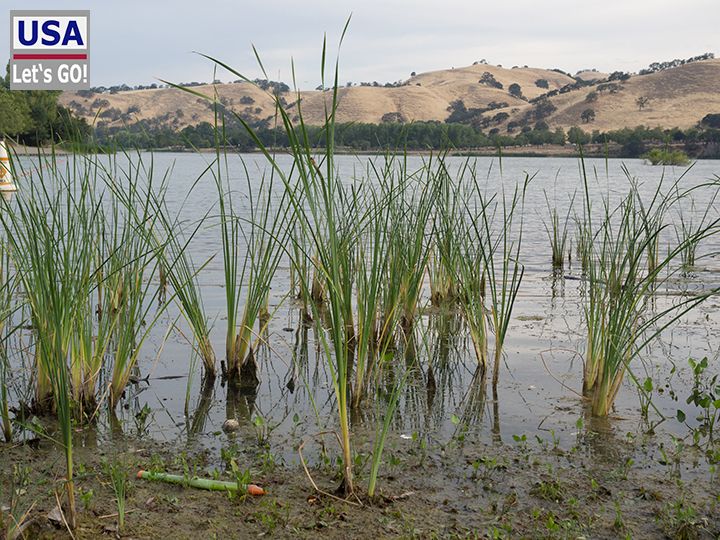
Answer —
(515, 90)
(578, 136)
(35, 117)
(14, 113)
(587, 116)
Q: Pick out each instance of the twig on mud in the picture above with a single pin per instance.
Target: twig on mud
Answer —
(402, 496)
(62, 515)
(315, 486)
(107, 516)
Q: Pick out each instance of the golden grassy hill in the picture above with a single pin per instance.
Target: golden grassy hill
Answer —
(426, 96)
(169, 106)
(677, 97)
(591, 75)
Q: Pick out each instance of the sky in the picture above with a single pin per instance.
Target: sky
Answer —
(140, 42)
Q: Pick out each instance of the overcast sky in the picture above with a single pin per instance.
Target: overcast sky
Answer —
(139, 42)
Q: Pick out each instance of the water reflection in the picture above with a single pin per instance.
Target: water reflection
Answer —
(443, 378)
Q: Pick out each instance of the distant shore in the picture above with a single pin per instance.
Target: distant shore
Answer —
(544, 150)
(22, 150)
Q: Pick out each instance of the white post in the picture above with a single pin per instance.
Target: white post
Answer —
(6, 178)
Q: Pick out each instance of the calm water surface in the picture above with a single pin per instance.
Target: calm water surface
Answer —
(543, 366)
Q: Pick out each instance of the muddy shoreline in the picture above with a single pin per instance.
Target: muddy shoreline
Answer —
(433, 489)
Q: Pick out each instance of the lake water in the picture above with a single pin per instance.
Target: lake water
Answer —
(542, 371)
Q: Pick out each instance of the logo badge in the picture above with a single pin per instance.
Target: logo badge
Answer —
(49, 50)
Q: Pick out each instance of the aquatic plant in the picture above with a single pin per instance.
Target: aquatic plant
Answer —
(687, 227)
(130, 265)
(666, 156)
(49, 232)
(118, 474)
(372, 259)
(265, 232)
(6, 293)
(230, 237)
(326, 212)
(410, 246)
(557, 231)
(620, 315)
(447, 235)
(491, 227)
(472, 278)
(181, 274)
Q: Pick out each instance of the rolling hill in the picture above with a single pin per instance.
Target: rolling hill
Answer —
(675, 97)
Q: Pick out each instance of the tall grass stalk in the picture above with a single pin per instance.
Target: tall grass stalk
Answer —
(313, 190)
(471, 271)
(447, 233)
(172, 244)
(6, 296)
(620, 314)
(557, 231)
(266, 231)
(50, 232)
(491, 227)
(118, 479)
(90, 345)
(372, 262)
(410, 220)
(230, 237)
(131, 264)
(688, 227)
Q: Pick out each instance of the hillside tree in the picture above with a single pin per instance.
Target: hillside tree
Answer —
(515, 90)
(587, 116)
(642, 102)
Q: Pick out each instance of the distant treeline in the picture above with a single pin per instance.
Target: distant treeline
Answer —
(264, 84)
(703, 140)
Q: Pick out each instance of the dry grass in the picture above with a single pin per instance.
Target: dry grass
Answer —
(678, 97)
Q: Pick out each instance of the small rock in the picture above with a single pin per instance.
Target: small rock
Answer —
(231, 425)
(55, 516)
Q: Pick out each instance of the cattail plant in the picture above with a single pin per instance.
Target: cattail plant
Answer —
(265, 231)
(688, 227)
(179, 271)
(492, 228)
(6, 297)
(447, 236)
(620, 315)
(410, 222)
(313, 195)
(131, 264)
(557, 231)
(50, 231)
(372, 261)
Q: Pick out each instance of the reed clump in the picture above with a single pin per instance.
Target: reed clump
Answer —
(620, 311)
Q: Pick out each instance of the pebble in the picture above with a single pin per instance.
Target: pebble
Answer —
(230, 425)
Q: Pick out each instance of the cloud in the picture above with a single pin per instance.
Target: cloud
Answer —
(140, 41)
